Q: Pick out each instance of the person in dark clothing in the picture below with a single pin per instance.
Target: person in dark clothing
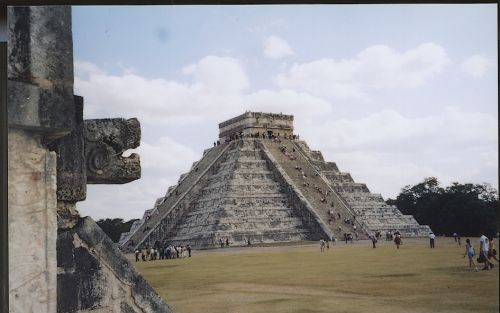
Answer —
(188, 247)
(227, 242)
(397, 240)
(432, 238)
(374, 241)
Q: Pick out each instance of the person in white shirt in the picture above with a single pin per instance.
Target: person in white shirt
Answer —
(484, 247)
(432, 239)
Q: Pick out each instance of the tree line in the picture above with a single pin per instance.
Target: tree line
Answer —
(466, 209)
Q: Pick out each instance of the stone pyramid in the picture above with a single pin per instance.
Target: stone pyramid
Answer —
(262, 184)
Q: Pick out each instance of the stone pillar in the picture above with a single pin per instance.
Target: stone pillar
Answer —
(32, 224)
(40, 97)
(59, 261)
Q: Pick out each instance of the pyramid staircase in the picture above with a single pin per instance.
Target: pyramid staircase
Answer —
(237, 197)
(370, 209)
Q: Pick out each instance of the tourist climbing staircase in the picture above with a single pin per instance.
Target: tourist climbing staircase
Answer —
(241, 201)
(371, 211)
(336, 225)
(233, 194)
(169, 209)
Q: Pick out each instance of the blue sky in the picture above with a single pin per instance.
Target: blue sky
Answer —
(392, 93)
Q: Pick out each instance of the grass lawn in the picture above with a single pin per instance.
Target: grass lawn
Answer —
(346, 278)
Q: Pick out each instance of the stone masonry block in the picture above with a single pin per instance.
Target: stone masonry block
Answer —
(40, 70)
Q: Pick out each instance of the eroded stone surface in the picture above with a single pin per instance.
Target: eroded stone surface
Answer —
(71, 164)
(95, 276)
(32, 224)
(40, 69)
(105, 141)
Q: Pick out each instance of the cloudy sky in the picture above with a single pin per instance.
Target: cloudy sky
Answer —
(392, 93)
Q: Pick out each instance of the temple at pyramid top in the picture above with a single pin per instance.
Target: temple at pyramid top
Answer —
(251, 123)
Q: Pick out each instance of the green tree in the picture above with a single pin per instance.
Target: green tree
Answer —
(115, 227)
(466, 209)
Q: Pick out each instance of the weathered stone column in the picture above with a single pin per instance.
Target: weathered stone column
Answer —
(40, 97)
(32, 224)
(59, 261)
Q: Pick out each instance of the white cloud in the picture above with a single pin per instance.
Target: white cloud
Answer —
(88, 68)
(476, 65)
(215, 74)
(219, 89)
(387, 150)
(375, 67)
(287, 101)
(276, 48)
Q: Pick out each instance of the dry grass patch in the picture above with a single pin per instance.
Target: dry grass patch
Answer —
(352, 278)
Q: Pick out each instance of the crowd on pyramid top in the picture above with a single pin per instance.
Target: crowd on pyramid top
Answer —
(263, 135)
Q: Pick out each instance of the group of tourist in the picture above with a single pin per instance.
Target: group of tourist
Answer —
(223, 242)
(263, 135)
(167, 252)
(487, 252)
(324, 244)
(389, 236)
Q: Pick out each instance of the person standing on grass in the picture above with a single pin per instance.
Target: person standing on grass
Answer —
(327, 245)
(492, 253)
(137, 252)
(432, 237)
(469, 252)
(322, 245)
(397, 240)
(374, 240)
(484, 246)
(188, 247)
